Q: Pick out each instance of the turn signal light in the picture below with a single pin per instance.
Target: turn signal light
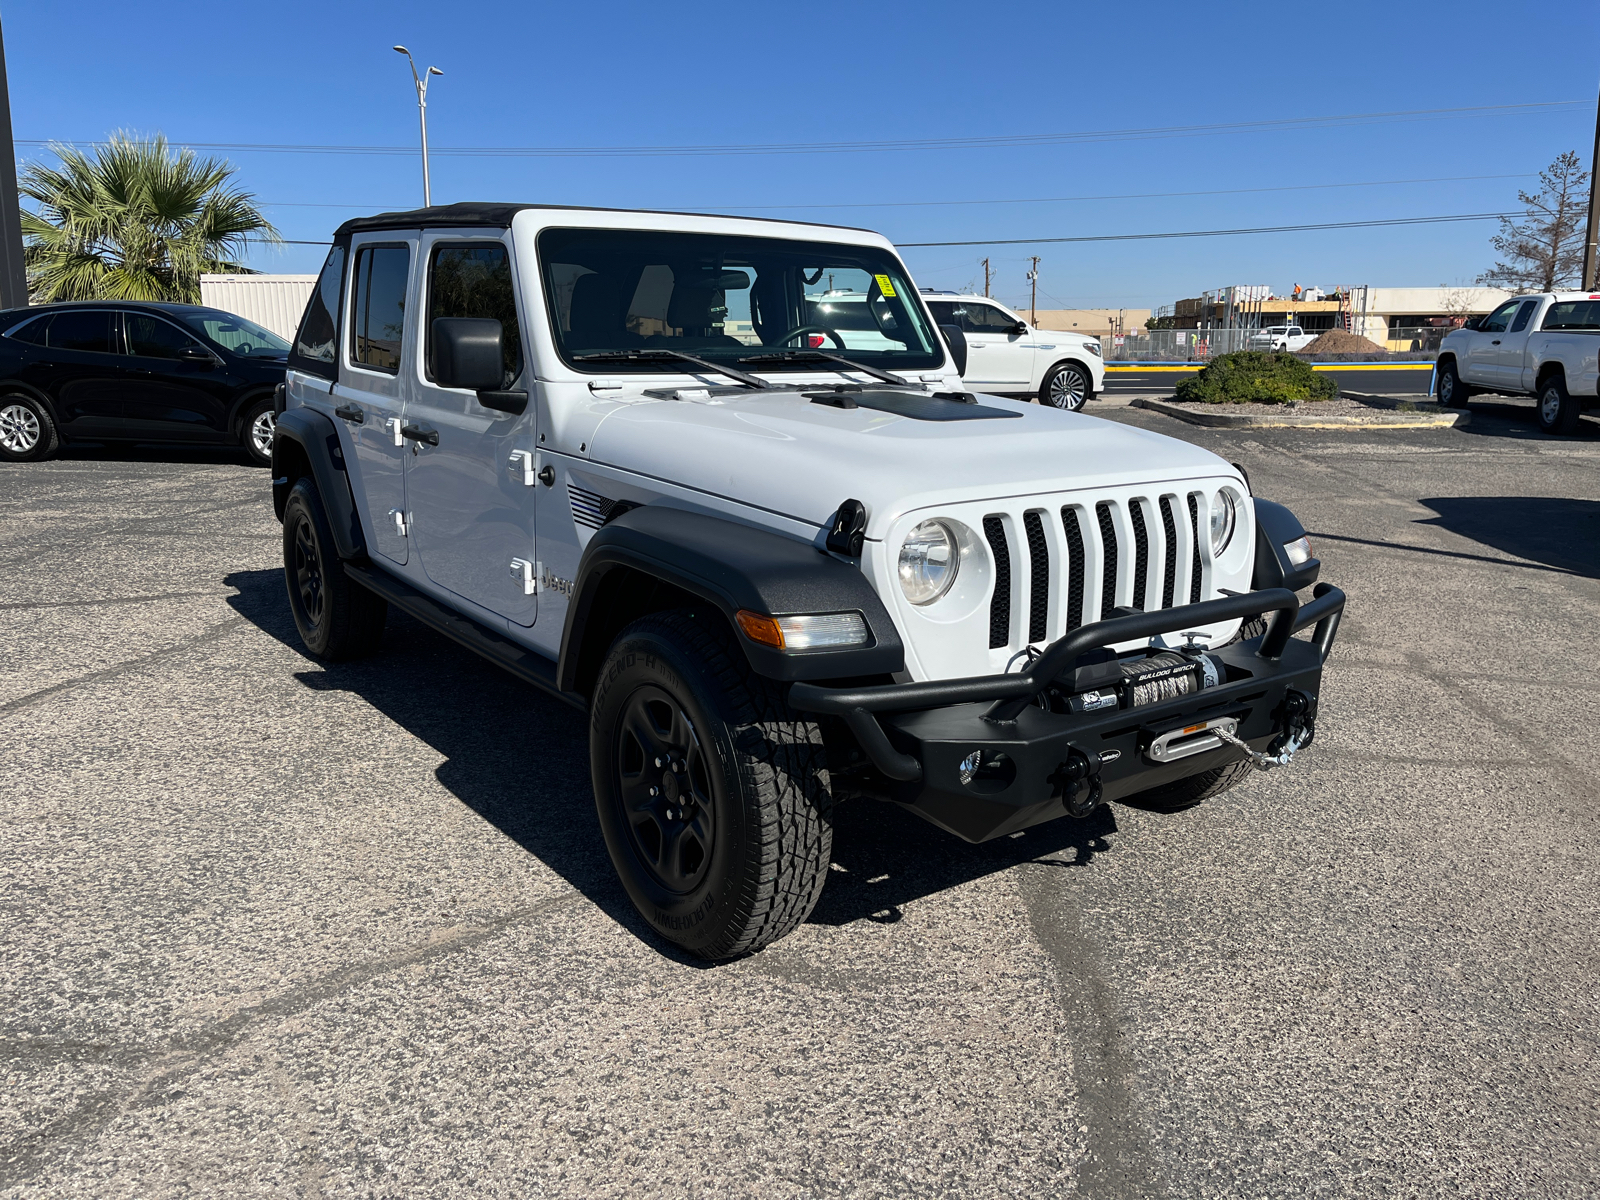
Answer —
(763, 631)
(811, 631)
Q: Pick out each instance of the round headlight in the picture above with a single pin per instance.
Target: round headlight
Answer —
(1224, 516)
(928, 562)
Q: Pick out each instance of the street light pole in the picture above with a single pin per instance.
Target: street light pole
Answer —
(422, 109)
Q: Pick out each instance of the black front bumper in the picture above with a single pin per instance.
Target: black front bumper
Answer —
(918, 734)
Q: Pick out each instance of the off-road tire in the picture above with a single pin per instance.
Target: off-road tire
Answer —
(1557, 411)
(1065, 396)
(762, 777)
(1452, 393)
(1186, 793)
(27, 434)
(338, 619)
(249, 435)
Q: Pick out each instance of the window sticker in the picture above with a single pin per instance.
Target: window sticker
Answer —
(885, 286)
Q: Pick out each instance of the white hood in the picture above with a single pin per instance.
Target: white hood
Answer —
(797, 458)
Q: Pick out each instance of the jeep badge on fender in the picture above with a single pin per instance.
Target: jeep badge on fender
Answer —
(718, 482)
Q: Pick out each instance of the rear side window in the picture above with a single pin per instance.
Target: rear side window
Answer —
(32, 332)
(475, 281)
(378, 313)
(84, 331)
(1524, 314)
(1573, 314)
(151, 337)
(319, 326)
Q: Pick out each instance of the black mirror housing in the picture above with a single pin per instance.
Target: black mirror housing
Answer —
(958, 346)
(465, 352)
(1020, 327)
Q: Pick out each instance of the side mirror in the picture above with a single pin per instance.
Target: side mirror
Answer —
(957, 342)
(1020, 327)
(465, 352)
(197, 354)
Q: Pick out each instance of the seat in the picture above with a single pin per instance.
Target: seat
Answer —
(689, 312)
(594, 320)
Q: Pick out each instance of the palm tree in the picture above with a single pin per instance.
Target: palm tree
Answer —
(135, 221)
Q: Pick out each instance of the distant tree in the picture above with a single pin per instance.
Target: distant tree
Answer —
(133, 221)
(1544, 250)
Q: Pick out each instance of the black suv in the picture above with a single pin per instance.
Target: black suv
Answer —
(144, 372)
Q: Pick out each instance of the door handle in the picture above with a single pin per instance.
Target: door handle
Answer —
(418, 434)
(1496, 342)
(352, 413)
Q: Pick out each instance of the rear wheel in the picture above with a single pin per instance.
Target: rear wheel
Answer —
(1066, 386)
(337, 618)
(1451, 391)
(713, 796)
(1558, 412)
(27, 434)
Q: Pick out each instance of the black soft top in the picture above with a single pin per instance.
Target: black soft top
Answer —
(490, 215)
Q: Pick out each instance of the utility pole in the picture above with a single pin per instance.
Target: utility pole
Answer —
(422, 108)
(13, 274)
(1591, 236)
(1033, 286)
(986, 277)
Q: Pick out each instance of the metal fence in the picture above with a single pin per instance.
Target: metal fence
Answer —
(1199, 345)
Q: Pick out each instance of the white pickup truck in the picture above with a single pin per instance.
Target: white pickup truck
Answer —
(1546, 346)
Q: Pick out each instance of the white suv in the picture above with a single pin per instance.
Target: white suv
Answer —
(1008, 357)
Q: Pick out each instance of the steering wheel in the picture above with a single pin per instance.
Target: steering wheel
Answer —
(794, 333)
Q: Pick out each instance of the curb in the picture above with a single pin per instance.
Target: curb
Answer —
(1426, 416)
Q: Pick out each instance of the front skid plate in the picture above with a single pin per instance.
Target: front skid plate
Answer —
(1026, 788)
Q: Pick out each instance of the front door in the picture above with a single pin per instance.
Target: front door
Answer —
(1513, 347)
(471, 496)
(177, 388)
(367, 400)
(1482, 365)
(998, 356)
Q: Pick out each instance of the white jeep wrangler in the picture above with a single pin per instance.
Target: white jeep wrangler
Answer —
(601, 449)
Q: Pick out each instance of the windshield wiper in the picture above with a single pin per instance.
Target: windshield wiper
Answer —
(672, 356)
(826, 356)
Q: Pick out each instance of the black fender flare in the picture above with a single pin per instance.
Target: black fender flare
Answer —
(731, 566)
(306, 442)
(1275, 527)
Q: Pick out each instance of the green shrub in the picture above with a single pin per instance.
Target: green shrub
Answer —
(1256, 377)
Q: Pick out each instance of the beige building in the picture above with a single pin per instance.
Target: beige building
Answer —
(1096, 322)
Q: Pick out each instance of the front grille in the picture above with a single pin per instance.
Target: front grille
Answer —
(1039, 578)
(1000, 606)
(1085, 555)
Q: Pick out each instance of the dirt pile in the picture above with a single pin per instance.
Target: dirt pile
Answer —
(1340, 341)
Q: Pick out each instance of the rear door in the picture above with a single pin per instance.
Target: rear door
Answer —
(471, 495)
(1482, 363)
(79, 368)
(367, 398)
(998, 356)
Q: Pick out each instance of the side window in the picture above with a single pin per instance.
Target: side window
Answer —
(475, 281)
(32, 332)
(85, 331)
(1523, 315)
(986, 318)
(378, 311)
(944, 312)
(1497, 321)
(319, 325)
(1573, 314)
(151, 337)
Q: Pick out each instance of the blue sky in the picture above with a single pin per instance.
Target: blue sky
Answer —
(656, 75)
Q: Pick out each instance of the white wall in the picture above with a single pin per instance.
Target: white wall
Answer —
(272, 301)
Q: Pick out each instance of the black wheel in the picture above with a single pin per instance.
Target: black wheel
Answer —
(27, 434)
(255, 432)
(337, 618)
(1558, 412)
(712, 794)
(1186, 793)
(1066, 386)
(1448, 387)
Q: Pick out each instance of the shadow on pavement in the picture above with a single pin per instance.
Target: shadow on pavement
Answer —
(1514, 417)
(521, 762)
(1560, 533)
(155, 452)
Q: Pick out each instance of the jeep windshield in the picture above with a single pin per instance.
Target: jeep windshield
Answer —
(724, 298)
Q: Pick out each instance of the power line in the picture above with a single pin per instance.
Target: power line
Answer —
(868, 147)
(1188, 233)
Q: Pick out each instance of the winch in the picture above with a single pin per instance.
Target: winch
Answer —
(1137, 682)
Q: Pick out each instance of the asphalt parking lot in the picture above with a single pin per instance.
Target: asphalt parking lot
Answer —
(275, 928)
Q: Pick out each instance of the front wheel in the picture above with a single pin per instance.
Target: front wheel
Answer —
(1186, 793)
(337, 618)
(713, 796)
(1558, 411)
(1066, 386)
(1451, 391)
(256, 430)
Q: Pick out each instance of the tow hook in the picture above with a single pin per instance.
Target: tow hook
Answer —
(1081, 790)
(1299, 727)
